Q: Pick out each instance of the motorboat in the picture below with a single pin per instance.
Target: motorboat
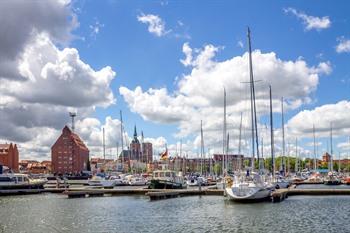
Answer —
(249, 190)
(137, 181)
(101, 181)
(192, 181)
(20, 181)
(332, 179)
(281, 182)
(167, 179)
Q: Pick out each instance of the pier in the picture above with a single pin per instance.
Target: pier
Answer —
(277, 195)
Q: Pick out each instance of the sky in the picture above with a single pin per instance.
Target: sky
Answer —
(165, 65)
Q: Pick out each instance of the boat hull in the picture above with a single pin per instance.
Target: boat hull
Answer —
(162, 184)
(259, 194)
(36, 185)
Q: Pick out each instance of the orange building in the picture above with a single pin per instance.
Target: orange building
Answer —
(69, 154)
(9, 156)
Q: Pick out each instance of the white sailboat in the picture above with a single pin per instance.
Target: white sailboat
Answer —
(252, 186)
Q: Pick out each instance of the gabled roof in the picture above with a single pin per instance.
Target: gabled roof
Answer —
(76, 139)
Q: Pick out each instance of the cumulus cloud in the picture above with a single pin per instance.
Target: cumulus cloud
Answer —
(343, 45)
(199, 94)
(44, 79)
(323, 117)
(155, 24)
(310, 22)
(20, 20)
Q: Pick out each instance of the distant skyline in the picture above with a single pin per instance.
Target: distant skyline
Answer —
(165, 64)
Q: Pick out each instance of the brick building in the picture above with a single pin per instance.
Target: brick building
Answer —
(147, 152)
(69, 154)
(9, 156)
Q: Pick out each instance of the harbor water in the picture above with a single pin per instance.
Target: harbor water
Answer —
(57, 213)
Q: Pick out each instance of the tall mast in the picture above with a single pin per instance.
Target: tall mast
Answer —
(227, 151)
(253, 105)
(296, 155)
(331, 141)
(104, 146)
(121, 136)
(314, 134)
(283, 164)
(272, 136)
(240, 144)
(202, 148)
(224, 136)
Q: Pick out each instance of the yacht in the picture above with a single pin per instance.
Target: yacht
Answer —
(281, 182)
(101, 181)
(137, 181)
(167, 179)
(249, 190)
(20, 181)
(332, 179)
(119, 181)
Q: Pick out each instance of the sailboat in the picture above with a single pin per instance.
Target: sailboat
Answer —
(331, 178)
(280, 181)
(252, 187)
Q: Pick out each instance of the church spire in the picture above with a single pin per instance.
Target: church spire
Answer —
(135, 132)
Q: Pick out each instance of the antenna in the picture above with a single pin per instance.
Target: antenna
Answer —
(72, 115)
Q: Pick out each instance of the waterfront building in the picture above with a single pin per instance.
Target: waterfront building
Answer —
(147, 152)
(9, 156)
(69, 154)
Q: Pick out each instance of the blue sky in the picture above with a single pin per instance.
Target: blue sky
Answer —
(110, 33)
(141, 58)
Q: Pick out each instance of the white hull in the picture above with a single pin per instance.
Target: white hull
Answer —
(194, 183)
(102, 183)
(249, 194)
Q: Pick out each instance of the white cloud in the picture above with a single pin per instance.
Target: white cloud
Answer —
(322, 117)
(156, 25)
(44, 79)
(310, 22)
(240, 44)
(95, 28)
(343, 46)
(199, 94)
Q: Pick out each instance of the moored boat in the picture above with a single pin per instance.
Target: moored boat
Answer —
(249, 190)
(20, 181)
(167, 179)
(332, 179)
(101, 182)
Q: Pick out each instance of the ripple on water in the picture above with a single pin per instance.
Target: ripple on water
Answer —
(55, 213)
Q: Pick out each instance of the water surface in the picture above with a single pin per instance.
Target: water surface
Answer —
(56, 213)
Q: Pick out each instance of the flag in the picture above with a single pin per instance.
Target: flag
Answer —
(164, 155)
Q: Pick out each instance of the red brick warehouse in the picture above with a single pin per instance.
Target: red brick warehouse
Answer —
(69, 154)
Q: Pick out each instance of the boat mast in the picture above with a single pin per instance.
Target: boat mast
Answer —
(121, 137)
(224, 136)
(331, 158)
(253, 105)
(104, 146)
(296, 155)
(240, 144)
(272, 136)
(314, 134)
(227, 150)
(283, 164)
(202, 148)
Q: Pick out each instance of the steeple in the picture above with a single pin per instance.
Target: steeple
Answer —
(135, 140)
(135, 132)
